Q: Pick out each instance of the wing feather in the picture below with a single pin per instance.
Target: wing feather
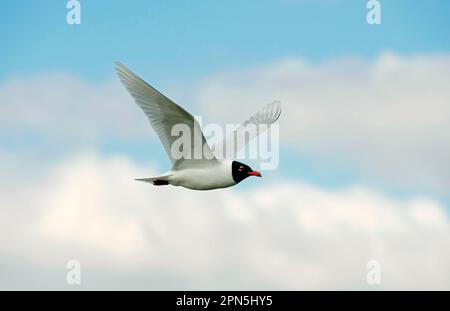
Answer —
(163, 114)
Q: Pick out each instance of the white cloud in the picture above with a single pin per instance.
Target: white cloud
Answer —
(77, 208)
(280, 235)
(65, 110)
(388, 118)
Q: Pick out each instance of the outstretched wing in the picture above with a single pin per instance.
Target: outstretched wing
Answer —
(248, 130)
(163, 115)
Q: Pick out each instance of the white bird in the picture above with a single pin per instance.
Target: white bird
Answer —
(206, 172)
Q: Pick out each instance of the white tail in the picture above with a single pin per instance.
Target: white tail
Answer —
(157, 180)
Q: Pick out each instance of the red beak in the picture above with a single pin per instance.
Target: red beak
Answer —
(255, 173)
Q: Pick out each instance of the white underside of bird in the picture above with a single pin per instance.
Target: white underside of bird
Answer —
(204, 173)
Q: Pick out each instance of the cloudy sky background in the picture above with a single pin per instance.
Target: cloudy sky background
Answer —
(365, 131)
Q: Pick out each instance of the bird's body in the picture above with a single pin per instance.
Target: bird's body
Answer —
(198, 173)
(201, 178)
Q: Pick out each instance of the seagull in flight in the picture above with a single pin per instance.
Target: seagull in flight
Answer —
(204, 173)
